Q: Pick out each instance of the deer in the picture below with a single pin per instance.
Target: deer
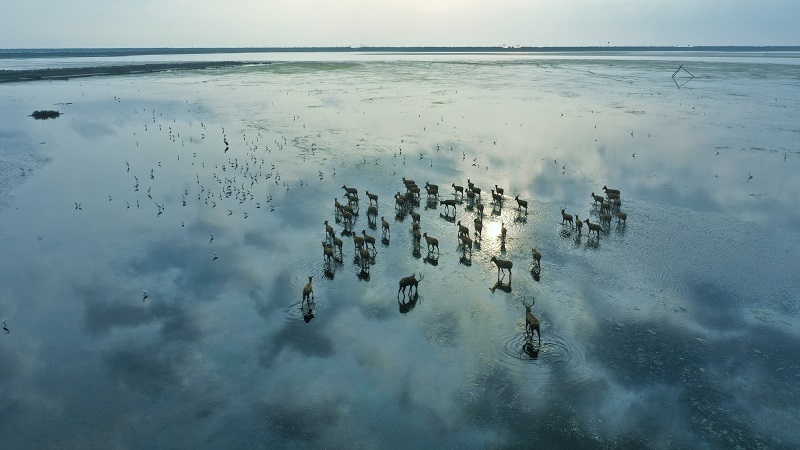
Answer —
(566, 218)
(521, 203)
(478, 228)
(329, 231)
(364, 256)
(497, 197)
(537, 258)
(415, 217)
(338, 244)
(350, 191)
(431, 191)
(605, 217)
(348, 219)
(623, 217)
(410, 282)
(466, 243)
(610, 191)
(458, 189)
(349, 209)
(327, 251)
(479, 207)
(578, 224)
(368, 240)
(384, 227)
(432, 242)
(408, 182)
(372, 211)
(502, 264)
(470, 184)
(337, 205)
(462, 230)
(503, 231)
(372, 197)
(499, 190)
(308, 291)
(358, 242)
(400, 200)
(448, 203)
(531, 322)
(414, 190)
(593, 227)
(598, 199)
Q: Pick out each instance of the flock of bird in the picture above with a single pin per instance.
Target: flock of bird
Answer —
(232, 182)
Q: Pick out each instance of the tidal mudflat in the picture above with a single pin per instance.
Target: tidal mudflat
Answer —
(209, 190)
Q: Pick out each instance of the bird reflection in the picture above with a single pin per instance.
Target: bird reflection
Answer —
(5, 327)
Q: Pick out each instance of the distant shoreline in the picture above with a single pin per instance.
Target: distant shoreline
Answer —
(10, 76)
(112, 52)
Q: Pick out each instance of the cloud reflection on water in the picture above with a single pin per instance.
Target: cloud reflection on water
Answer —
(672, 331)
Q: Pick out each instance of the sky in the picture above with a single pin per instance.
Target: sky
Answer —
(303, 23)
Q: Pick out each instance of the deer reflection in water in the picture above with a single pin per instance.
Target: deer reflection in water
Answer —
(505, 287)
(407, 305)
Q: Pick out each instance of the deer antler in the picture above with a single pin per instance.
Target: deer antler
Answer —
(420, 276)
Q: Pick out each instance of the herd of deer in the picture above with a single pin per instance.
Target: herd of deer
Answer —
(405, 202)
(606, 205)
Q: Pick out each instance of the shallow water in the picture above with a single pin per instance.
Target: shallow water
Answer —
(678, 329)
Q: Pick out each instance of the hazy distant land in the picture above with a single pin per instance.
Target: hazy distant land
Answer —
(103, 52)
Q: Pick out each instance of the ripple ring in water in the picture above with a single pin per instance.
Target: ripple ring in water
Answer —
(558, 362)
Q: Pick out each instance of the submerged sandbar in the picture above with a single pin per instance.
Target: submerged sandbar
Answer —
(10, 76)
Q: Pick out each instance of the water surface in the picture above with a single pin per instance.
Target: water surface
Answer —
(678, 329)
